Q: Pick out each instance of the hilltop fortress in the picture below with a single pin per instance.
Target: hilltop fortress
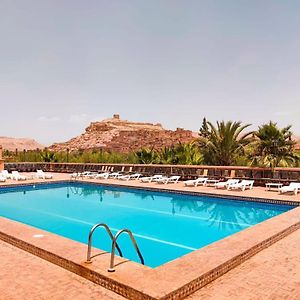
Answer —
(119, 135)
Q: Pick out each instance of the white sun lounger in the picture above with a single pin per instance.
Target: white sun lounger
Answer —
(86, 174)
(2, 178)
(102, 176)
(196, 182)
(5, 174)
(226, 184)
(242, 185)
(41, 174)
(166, 180)
(17, 176)
(150, 178)
(76, 175)
(114, 175)
(129, 177)
(292, 187)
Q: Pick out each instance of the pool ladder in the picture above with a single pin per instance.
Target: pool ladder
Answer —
(114, 245)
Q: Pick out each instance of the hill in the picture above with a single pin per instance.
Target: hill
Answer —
(124, 136)
(297, 139)
(11, 144)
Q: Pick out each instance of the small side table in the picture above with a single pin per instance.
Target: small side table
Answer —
(273, 185)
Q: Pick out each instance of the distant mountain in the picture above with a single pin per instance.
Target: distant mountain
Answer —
(11, 144)
(297, 139)
(124, 136)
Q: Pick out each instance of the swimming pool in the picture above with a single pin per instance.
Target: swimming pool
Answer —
(165, 225)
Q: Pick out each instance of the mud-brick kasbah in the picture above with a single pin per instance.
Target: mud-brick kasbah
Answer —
(119, 135)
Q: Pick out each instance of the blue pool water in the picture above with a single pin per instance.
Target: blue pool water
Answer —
(165, 225)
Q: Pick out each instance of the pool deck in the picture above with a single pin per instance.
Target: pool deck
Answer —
(26, 276)
(269, 273)
(273, 273)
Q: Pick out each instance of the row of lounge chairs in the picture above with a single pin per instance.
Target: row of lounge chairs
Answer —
(229, 184)
(126, 177)
(15, 175)
(106, 175)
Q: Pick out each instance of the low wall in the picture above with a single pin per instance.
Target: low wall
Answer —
(260, 175)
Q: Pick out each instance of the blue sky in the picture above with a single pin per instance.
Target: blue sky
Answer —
(66, 63)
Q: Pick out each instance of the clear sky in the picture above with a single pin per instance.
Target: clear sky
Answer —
(64, 63)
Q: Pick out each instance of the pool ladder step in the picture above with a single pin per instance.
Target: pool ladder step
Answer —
(114, 244)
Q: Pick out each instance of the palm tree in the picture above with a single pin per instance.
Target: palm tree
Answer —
(223, 144)
(274, 147)
(188, 154)
(47, 156)
(146, 156)
(167, 155)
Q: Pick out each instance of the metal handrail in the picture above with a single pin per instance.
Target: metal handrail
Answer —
(114, 245)
(88, 260)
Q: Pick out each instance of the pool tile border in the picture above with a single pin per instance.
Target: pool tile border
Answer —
(197, 193)
(158, 189)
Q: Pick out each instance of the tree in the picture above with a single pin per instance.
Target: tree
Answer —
(204, 129)
(47, 156)
(146, 156)
(223, 144)
(167, 155)
(274, 147)
(188, 154)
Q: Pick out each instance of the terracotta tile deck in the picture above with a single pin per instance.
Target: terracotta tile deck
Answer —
(273, 273)
(255, 272)
(25, 276)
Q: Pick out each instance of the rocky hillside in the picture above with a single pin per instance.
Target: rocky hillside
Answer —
(297, 138)
(11, 144)
(123, 136)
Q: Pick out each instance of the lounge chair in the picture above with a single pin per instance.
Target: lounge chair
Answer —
(241, 185)
(88, 174)
(17, 176)
(150, 178)
(115, 175)
(129, 177)
(2, 178)
(41, 174)
(74, 175)
(5, 174)
(166, 180)
(292, 187)
(226, 184)
(102, 176)
(196, 182)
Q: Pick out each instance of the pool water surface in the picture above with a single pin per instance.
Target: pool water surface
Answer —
(165, 225)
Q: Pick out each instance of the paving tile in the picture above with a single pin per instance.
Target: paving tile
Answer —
(25, 276)
(273, 273)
